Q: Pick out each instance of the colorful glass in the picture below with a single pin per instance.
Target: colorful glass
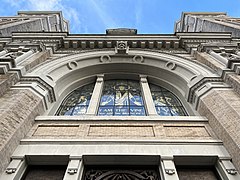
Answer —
(121, 98)
(166, 103)
(76, 103)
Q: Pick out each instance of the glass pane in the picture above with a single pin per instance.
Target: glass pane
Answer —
(71, 100)
(135, 98)
(105, 111)
(134, 85)
(137, 111)
(163, 111)
(158, 99)
(171, 99)
(121, 111)
(166, 103)
(119, 95)
(67, 111)
(77, 102)
(79, 110)
(121, 98)
(177, 111)
(107, 100)
(155, 88)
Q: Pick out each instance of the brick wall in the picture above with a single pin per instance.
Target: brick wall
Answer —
(18, 109)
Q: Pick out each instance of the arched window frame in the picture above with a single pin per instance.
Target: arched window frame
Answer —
(146, 95)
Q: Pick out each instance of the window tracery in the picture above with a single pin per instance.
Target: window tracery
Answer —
(77, 102)
(121, 98)
(166, 103)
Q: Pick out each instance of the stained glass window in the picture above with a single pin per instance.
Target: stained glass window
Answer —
(166, 103)
(76, 103)
(121, 98)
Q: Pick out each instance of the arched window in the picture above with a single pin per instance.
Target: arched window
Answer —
(121, 98)
(76, 103)
(166, 103)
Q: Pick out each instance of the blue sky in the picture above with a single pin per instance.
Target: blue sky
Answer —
(95, 16)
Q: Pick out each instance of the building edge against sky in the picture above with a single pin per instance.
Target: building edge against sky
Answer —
(41, 64)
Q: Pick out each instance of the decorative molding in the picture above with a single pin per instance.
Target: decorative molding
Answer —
(105, 58)
(170, 171)
(171, 65)
(44, 84)
(121, 47)
(121, 173)
(200, 83)
(72, 65)
(138, 58)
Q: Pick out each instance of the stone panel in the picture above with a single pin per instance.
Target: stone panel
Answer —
(222, 108)
(186, 131)
(233, 80)
(57, 130)
(6, 81)
(196, 174)
(18, 109)
(121, 130)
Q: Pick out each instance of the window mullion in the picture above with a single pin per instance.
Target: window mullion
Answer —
(96, 96)
(147, 96)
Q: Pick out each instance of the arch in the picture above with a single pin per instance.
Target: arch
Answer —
(173, 72)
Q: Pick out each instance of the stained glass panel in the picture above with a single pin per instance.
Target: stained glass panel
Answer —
(76, 103)
(166, 103)
(122, 98)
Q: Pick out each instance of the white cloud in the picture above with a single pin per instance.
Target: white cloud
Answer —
(105, 18)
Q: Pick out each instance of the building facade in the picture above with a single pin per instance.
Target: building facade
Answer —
(119, 105)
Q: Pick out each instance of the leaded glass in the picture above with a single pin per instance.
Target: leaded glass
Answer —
(166, 103)
(76, 103)
(121, 98)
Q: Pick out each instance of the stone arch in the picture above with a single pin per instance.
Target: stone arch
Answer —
(180, 75)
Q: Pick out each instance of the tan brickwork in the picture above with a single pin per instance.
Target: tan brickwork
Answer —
(158, 130)
(56, 131)
(120, 130)
(187, 131)
(18, 109)
(206, 59)
(233, 80)
(6, 81)
(222, 108)
(35, 60)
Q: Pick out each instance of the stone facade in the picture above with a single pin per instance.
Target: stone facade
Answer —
(200, 64)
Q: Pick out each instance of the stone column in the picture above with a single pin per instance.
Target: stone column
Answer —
(74, 169)
(95, 99)
(15, 169)
(24, 56)
(227, 170)
(168, 168)
(147, 96)
(219, 58)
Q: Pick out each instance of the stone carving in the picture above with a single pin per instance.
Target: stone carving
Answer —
(72, 65)
(171, 65)
(138, 58)
(105, 58)
(10, 170)
(232, 171)
(72, 171)
(170, 171)
(121, 47)
(119, 174)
